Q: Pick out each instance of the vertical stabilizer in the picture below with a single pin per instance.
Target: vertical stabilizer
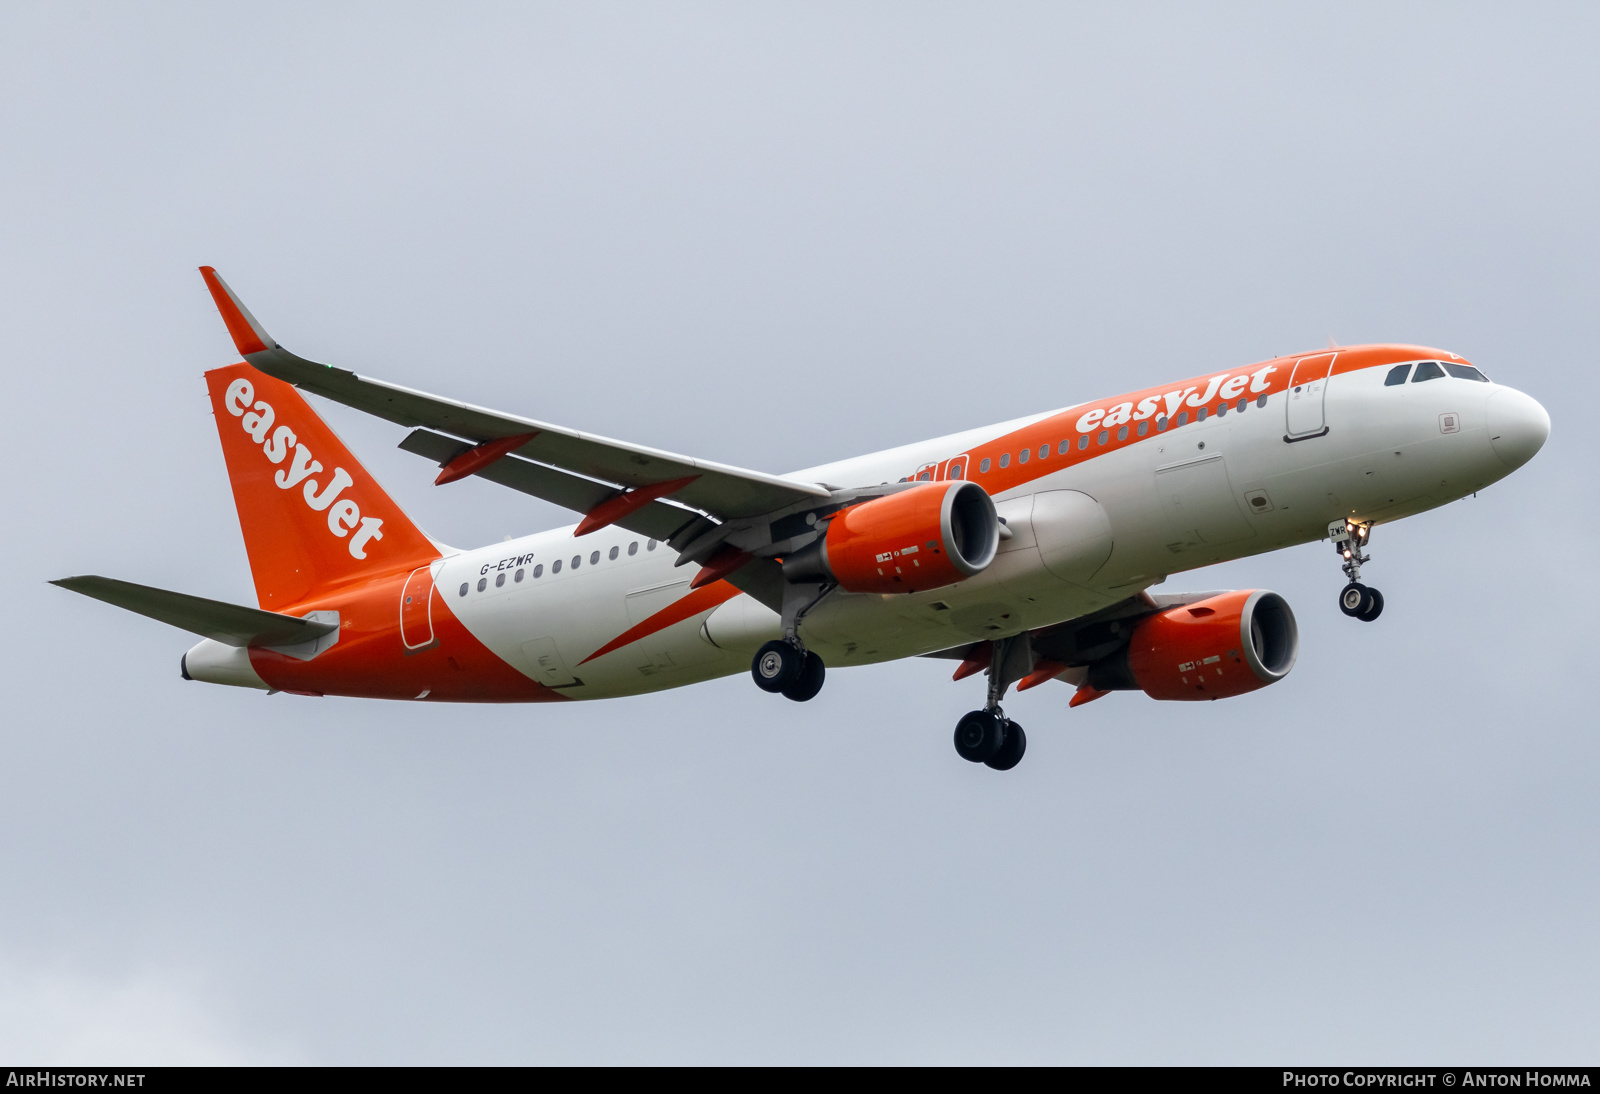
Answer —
(312, 516)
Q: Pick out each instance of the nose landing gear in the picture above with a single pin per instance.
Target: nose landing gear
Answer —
(1355, 600)
(987, 736)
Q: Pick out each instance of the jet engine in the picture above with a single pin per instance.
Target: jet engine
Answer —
(1212, 649)
(930, 535)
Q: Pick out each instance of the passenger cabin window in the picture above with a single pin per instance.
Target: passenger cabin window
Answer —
(614, 552)
(1083, 442)
(1397, 376)
(594, 557)
(463, 588)
(1044, 451)
(983, 465)
(1427, 370)
(483, 583)
(520, 574)
(577, 560)
(1022, 457)
(538, 571)
(633, 548)
(1005, 459)
(1465, 372)
(1144, 427)
(1103, 437)
(555, 567)
(500, 580)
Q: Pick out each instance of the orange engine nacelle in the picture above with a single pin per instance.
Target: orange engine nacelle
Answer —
(1225, 645)
(930, 535)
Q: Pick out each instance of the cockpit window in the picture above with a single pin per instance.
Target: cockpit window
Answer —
(1465, 372)
(1427, 370)
(1397, 375)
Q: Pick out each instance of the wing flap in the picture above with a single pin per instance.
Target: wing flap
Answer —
(230, 624)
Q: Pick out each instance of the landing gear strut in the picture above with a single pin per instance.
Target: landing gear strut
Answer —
(987, 736)
(1355, 600)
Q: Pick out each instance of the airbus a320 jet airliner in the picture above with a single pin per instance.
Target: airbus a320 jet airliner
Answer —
(1024, 549)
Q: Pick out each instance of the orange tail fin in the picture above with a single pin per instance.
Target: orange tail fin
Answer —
(312, 516)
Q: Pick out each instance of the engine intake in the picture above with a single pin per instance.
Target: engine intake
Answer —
(928, 536)
(1215, 648)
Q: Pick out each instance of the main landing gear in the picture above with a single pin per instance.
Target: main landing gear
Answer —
(788, 670)
(785, 667)
(987, 736)
(1355, 600)
(990, 738)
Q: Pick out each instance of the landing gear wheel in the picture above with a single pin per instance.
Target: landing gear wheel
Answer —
(1355, 600)
(777, 666)
(1010, 754)
(979, 737)
(809, 682)
(1374, 606)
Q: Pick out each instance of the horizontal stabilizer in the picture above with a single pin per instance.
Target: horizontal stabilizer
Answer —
(230, 624)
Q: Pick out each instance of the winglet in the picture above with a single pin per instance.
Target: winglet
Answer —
(248, 334)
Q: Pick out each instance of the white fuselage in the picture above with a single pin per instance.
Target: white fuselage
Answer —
(1083, 536)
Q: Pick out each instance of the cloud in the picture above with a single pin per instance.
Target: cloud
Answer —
(54, 1016)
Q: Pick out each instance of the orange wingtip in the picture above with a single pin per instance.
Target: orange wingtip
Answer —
(248, 337)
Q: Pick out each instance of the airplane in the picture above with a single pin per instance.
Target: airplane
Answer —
(1026, 550)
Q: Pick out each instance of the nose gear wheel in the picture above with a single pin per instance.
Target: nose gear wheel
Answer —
(1355, 600)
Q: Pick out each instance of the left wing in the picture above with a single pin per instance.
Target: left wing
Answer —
(724, 492)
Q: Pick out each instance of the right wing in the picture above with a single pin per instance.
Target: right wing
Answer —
(230, 624)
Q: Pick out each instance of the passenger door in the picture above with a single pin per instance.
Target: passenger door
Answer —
(1308, 387)
(416, 610)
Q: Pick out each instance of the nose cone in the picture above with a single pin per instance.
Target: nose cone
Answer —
(1518, 426)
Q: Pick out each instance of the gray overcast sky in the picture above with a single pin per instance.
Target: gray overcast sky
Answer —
(775, 236)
